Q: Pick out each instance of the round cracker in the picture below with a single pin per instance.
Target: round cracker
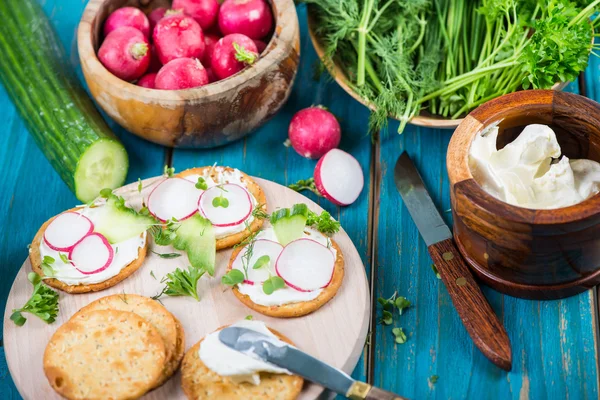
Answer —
(199, 382)
(302, 308)
(151, 310)
(175, 360)
(104, 354)
(256, 191)
(36, 265)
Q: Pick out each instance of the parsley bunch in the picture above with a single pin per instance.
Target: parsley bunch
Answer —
(43, 303)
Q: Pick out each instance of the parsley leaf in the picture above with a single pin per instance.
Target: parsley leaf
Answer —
(323, 223)
(43, 303)
(182, 283)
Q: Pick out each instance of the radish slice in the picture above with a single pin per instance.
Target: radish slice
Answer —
(174, 198)
(66, 230)
(262, 247)
(92, 254)
(306, 265)
(339, 177)
(238, 205)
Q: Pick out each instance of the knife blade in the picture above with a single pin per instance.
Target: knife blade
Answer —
(264, 348)
(477, 316)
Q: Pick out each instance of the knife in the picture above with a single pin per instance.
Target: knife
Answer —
(264, 348)
(481, 322)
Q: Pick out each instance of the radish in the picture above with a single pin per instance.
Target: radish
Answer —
(205, 12)
(178, 36)
(314, 131)
(260, 46)
(261, 247)
(306, 265)
(231, 54)
(66, 230)
(210, 41)
(92, 254)
(148, 81)
(339, 177)
(182, 73)
(225, 205)
(127, 16)
(125, 53)
(174, 198)
(252, 18)
(156, 15)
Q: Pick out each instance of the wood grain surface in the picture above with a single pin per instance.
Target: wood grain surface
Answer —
(554, 342)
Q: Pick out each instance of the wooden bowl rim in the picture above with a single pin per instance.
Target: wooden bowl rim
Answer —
(340, 77)
(284, 37)
(459, 171)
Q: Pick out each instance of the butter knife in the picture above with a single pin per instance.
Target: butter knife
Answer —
(481, 322)
(262, 347)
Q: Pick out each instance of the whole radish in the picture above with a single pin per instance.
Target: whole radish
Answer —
(127, 16)
(260, 46)
(178, 36)
(148, 81)
(314, 131)
(205, 12)
(231, 54)
(210, 41)
(156, 15)
(252, 18)
(125, 53)
(181, 73)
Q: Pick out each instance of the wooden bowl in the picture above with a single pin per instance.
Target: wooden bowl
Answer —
(537, 254)
(208, 116)
(425, 119)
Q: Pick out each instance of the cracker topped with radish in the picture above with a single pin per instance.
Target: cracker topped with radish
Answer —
(291, 268)
(90, 248)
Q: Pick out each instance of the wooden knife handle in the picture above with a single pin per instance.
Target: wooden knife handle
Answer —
(477, 315)
(364, 391)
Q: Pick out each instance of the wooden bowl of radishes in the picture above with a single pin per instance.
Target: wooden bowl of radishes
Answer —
(200, 75)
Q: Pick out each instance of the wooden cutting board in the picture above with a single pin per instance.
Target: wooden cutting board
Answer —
(336, 333)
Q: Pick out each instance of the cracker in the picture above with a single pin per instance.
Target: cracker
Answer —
(175, 360)
(233, 239)
(36, 265)
(297, 309)
(104, 354)
(151, 310)
(201, 383)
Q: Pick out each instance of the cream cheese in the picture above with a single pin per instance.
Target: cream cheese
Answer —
(530, 172)
(225, 176)
(124, 254)
(286, 295)
(239, 367)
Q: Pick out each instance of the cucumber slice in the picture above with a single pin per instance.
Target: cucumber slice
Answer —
(196, 237)
(103, 165)
(289, 223)
(118, 223)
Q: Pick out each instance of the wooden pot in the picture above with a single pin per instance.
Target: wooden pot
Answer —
(208, 116)
(537, 254)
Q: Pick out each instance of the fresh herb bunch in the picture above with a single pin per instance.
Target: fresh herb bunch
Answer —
(449, 56)
(43, 303)
(182, 283)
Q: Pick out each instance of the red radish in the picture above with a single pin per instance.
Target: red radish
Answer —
(314, 131)
(66, 230)
(252, 18)
(148, 81)
(339, 177)
(156, 15)
(306, 265)
(125, 53)
(210, 41)
(182, 73)
(235, 206)
(174, 198)
(261, 247)
(178, 36)
(127, 16)
(260, 46)
(211, 75)
(205, 12)
(92, 254)
(227, 60)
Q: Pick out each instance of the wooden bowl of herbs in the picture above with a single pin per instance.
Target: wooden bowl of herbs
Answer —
(429, 66)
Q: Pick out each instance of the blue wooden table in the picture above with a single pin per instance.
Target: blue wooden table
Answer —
(555, 343)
